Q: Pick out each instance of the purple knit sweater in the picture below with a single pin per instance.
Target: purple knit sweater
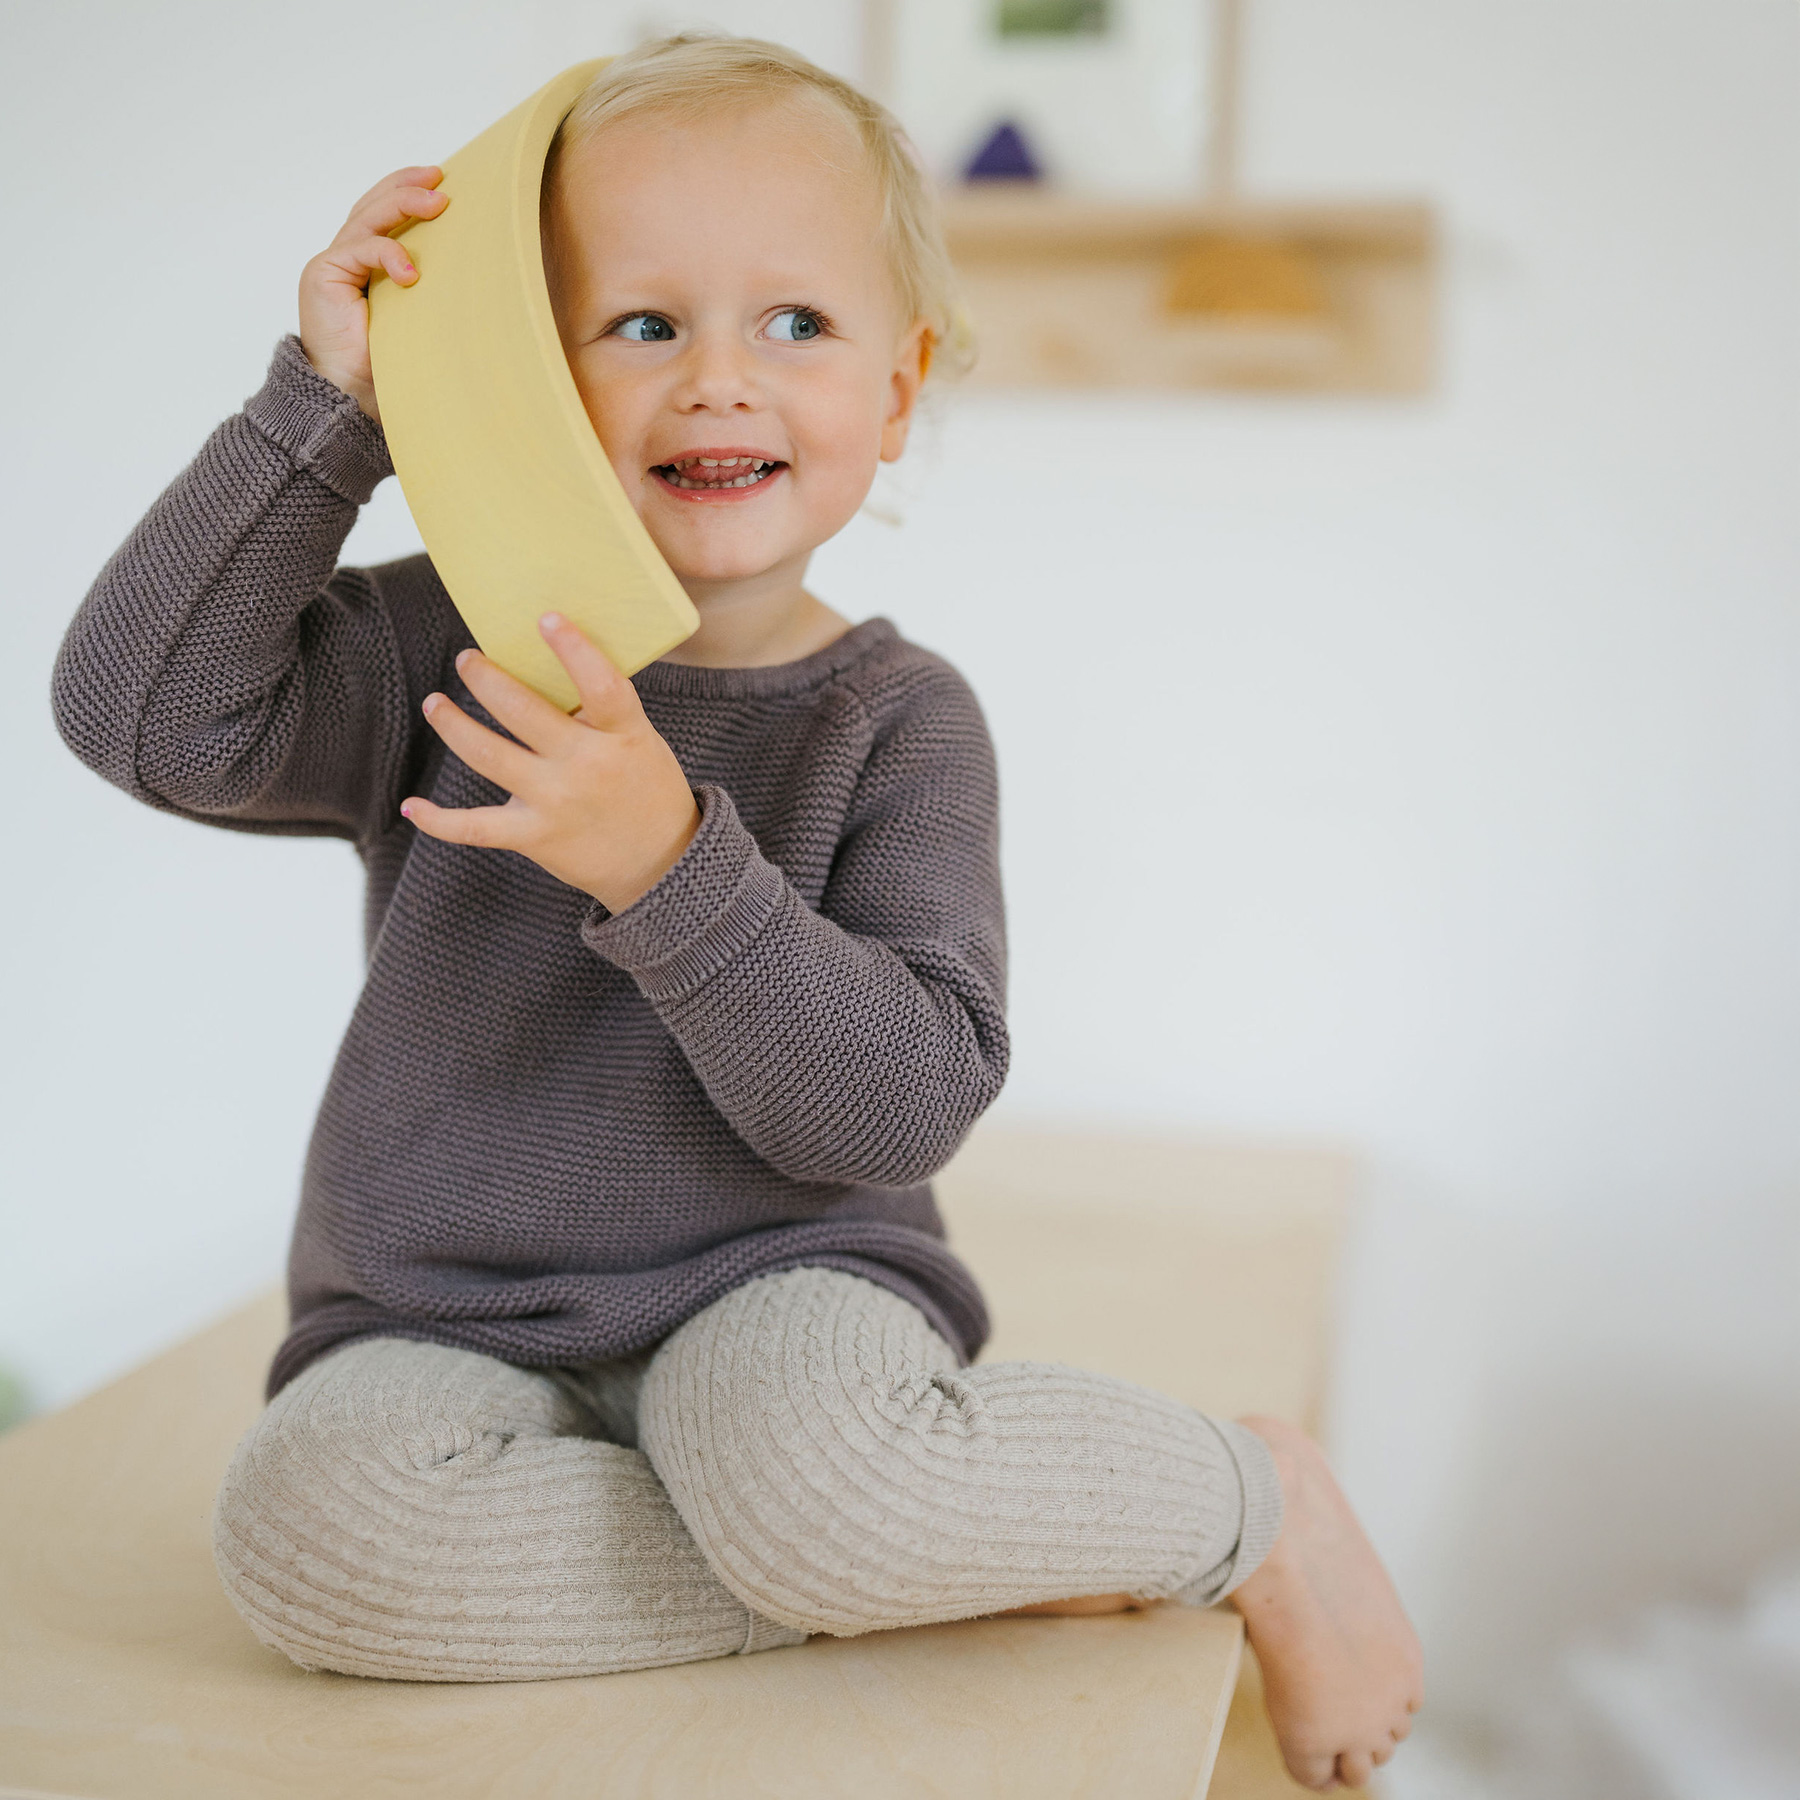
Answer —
(553, 1133)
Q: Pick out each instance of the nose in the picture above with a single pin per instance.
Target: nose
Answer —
(718, 374)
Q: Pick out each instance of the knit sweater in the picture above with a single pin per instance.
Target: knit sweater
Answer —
(553, 1133)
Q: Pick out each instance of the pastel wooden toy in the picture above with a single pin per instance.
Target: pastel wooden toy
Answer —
(518, 506)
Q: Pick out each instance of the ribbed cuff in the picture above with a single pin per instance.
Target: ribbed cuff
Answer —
(765, 1634)
(319, 425)
(717, 898)
(1260, 1524)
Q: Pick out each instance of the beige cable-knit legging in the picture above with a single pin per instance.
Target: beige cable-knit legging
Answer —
(806, 1455)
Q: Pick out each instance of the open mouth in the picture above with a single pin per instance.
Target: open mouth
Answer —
(716, 473)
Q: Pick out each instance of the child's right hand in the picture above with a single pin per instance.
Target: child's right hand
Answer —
(334, 304)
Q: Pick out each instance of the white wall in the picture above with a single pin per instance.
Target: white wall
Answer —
(1444, 797)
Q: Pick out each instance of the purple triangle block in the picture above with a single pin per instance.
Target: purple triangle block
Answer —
(1004, 156)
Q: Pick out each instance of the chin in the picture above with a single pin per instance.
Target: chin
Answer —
(720, 565)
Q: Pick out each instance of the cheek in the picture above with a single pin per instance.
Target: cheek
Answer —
(617, 410)
(839, 429)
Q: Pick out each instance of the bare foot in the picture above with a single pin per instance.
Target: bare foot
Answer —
(1342, 1671)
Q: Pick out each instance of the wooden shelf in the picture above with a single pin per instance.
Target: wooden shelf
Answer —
(1067, 290)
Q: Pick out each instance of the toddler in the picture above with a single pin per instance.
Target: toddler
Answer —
(624, 1331)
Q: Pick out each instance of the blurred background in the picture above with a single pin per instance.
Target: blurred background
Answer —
(1397, 689)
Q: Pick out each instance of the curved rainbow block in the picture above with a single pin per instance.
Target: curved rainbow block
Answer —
(518, 506)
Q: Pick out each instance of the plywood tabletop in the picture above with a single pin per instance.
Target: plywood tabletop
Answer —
(125, 1675)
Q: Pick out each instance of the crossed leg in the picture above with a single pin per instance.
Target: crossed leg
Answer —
(429, 1514)
(842, 1473)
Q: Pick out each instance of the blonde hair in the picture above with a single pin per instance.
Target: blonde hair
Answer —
(691, 75)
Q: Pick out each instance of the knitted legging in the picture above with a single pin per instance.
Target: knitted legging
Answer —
(806, 1455)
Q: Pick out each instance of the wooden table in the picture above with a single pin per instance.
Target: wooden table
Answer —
(125, 1675)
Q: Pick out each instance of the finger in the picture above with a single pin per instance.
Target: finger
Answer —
(353, 264)
(522, 710)
(392, 209)
(419, 175)
(486, 752)
(608, 701)
(485, 827)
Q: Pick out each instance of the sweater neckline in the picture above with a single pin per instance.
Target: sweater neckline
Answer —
(813, 671)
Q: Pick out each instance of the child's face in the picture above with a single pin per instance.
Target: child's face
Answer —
(722, 292)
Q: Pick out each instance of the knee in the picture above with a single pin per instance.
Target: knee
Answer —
(788, 1422)
(286, 1477)
(323, 1532)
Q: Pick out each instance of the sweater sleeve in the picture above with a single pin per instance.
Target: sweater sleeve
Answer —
(221, 667)
(861, 1041)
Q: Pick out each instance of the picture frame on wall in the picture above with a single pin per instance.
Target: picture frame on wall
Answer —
(1096, 96)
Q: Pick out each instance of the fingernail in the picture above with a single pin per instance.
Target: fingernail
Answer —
(462, 656)
(429, 702)
(406, 812)
(550, 621)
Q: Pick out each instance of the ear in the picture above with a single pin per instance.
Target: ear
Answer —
(911, 359)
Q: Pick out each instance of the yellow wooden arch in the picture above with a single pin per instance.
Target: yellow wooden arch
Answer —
(518, 506)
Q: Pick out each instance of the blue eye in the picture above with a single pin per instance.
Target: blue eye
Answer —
(797, 325)
(644, 328)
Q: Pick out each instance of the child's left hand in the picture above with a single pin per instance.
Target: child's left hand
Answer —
(598, 798)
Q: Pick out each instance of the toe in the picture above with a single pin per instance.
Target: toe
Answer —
(1315, 1772)
(1354, 1768)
